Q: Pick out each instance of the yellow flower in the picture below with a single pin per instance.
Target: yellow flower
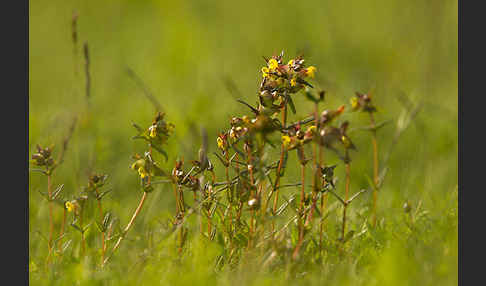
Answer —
(220, 143)
(265, 71)
(293, 81)
(311, 129)
(272, 64)
(345, 141)
(142, 172)
(134, 166)
(310, 72)
(152, 130)
(354, 103)
(245, 119)
(291, 63)
(69, 206)
(285, 140)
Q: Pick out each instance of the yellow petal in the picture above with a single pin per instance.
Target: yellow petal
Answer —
(310, 72)
(272, 64)
(220, 143)
(285, 140)
(293, 82)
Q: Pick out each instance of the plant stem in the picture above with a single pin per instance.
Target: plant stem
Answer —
(346, 194)
(209, 214)
(317, 174)
(375, 168)
(51, 219)
(103, 232)
(226, 170)
(127, 228)
(176, 195)
(279, 168)
(252, 182)
(301, 213)
(238, 195)
(181, 194)
(83, 242)
(302, 197)
(51, 223)
(230, 196)
(62, 229)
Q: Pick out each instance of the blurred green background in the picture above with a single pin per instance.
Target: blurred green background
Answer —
(198, 57)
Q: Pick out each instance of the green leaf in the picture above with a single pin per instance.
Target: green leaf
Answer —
(158, 171)
(284, 205)
(106, 220)
(254, 110)
(370, 182)
(100, 227)
(66, 245)
(73, 224)
(158, 149)
(38, 170)
(291, 104)
(139, 129)
(383, 123)
(57, 192)
(86, 227)
(223, 161)
(310, 97)
(213, 233)
(44, 195)
(140, 137)
(104, 193)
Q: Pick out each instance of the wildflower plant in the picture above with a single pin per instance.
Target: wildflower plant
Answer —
(243, 210)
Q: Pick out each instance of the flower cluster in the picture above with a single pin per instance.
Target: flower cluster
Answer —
(140, 165)
(43, 157)
(329, 135)
(290, 76)
(182, 178)
(296, 137)
(146, 168)
(280, 81)
(222, 141)
(327, 116)
(96, 181)
(72, 206)
(362, 102)
(239, 126)
(160, 130)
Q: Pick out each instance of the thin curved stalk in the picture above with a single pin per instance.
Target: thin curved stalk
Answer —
(127, 228)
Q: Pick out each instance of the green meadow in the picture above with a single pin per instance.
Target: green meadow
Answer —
(197, 58)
